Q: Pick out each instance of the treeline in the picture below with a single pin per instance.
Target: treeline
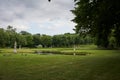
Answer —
(25, 39)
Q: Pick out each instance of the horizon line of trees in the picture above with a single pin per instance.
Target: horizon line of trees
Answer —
(25, 39)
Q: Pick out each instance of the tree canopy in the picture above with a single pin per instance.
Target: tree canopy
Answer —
(100, 18)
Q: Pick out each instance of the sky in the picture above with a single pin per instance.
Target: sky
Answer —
(38, 16)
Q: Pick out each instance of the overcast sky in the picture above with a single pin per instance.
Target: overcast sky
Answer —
(38, 16)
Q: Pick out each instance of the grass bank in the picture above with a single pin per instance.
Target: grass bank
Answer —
(79, 50)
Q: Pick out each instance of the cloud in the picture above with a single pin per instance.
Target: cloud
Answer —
(32, 15)
(22, 27)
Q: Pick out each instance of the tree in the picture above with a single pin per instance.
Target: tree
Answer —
(29, 39)
(36, 39)
(12, 36)
(21, 40)
(3, 38)
(99, 18)
(25, 33)
(56, 41)
(46, 40)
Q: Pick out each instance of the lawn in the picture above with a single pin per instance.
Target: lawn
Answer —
(99, 65)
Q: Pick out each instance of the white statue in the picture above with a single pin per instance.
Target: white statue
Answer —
(15, 47)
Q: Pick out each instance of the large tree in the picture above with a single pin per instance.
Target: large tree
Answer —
(99, 18)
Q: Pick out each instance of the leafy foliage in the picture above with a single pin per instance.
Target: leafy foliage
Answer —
(26, 39)
(99, 18)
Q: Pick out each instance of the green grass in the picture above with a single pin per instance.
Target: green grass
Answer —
(99, 65)
(80, 48)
